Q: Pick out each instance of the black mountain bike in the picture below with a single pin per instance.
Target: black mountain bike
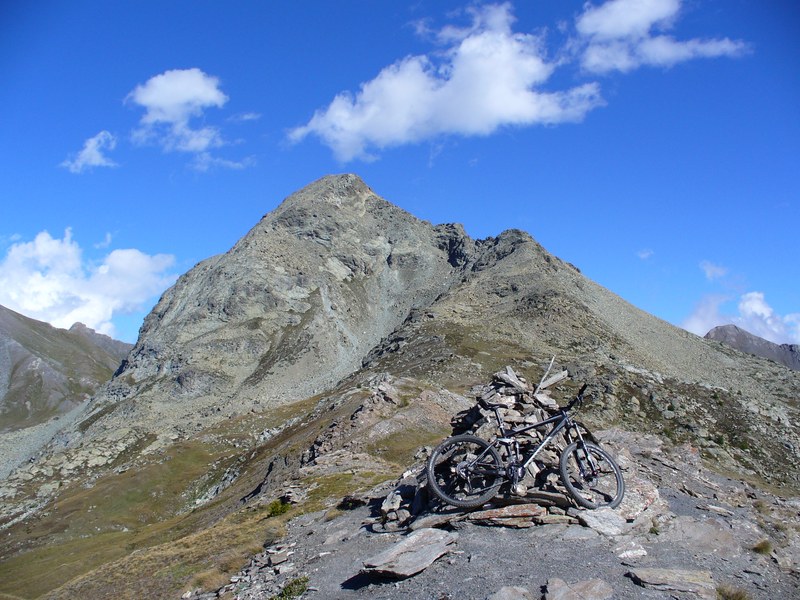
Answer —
(467, 471)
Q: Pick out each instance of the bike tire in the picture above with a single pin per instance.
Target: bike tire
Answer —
(591, 487)
(457, 477)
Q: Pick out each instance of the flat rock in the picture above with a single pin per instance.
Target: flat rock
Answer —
(640, 495)
(511, 592)
(515, 515)
(591, 589)
(435, 520)
(412, 554)
(706, 536)
(698, 583)
(606, 521)
(545, 498)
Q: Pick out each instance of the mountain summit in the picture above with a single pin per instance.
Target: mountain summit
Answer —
(293, 307)
(785, 354)
(318, 355)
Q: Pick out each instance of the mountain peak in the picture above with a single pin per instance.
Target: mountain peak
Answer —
(744, 341)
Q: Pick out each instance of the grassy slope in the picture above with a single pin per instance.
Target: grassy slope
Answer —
(134, 532)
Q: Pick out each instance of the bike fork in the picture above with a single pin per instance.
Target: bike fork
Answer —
(588, 460)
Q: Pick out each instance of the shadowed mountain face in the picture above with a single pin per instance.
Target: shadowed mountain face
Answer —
(785, 354)
(45, 371)
(335, 339)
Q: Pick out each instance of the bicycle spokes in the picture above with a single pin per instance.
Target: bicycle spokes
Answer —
(465, 471)
(591, 476)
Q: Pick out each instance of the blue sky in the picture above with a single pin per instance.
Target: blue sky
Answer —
(655, 144)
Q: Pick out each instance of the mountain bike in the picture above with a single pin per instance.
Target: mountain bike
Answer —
(467, 471)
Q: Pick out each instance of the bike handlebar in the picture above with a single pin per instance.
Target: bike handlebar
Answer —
(577, 399)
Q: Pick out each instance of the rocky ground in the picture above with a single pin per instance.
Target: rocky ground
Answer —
(682, 532)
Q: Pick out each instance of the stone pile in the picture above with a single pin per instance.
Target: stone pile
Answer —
(522, 404)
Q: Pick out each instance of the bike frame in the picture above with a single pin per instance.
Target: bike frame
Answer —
(563, 422)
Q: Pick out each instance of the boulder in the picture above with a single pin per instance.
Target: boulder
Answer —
(511, 592)
(592, 589)
(698, 583)
(412, 554)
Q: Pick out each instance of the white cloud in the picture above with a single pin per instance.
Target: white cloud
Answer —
(204, 161)
(706, 315)
(618, 19)
(619, 36)
(645, 253)
(49, 280)
(244, 117)
(106, 241)
(171, 100)
(712, 271)
(754, 314)
(758, 317)
(93, 154)
(487, 77)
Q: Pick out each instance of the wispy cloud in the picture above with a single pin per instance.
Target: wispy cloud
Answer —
(645, 253)
(93, 154)
(487, 76)
(105, 243)
(204, 161)
(623, 35)
(244, 117)
(48, 279)
(712, 271)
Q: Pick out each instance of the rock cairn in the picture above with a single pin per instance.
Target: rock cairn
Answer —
(544, 501)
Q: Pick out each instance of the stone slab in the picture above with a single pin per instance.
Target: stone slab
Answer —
(412, 554)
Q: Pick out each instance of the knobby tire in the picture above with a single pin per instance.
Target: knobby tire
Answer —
(592, 486)
(465, 471)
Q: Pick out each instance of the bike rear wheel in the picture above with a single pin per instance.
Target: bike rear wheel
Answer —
(591, 476)
(465, 471)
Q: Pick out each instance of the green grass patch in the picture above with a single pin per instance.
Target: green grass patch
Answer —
(400, 448)
(763, 547)
(278, 507)
(294, 589)
(726, 592)
(206, 558)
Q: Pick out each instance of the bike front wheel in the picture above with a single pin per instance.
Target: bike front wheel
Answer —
(465, 471)
(591, 476)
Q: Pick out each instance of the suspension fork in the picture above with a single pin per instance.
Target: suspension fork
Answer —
(572, 426)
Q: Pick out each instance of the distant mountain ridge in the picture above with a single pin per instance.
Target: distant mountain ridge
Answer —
(46, 371)
(744, 341)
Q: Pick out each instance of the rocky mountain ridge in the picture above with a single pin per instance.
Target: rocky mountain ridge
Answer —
(319, 354)
(46, 371)
(744, 341)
